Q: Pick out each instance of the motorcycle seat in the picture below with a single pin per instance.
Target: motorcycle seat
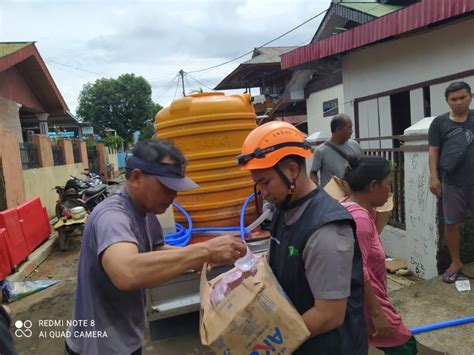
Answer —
(95, 190)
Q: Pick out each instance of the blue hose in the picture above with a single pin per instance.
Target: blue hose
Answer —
(182, 236)
(440, 325)
(242, 215)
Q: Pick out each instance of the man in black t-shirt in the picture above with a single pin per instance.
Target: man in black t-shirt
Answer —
(456, 188)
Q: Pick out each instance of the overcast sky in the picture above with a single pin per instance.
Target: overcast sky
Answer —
(151, 38)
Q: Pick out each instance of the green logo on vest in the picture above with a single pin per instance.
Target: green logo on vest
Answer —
(292, 251)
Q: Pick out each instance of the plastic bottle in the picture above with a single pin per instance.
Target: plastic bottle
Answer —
(247, 263)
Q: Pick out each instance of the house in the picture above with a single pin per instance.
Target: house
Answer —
(394, 68)
(317, 86)
(32, 110)
(262, 71)
(30, 101)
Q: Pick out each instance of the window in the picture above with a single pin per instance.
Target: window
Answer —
(330, 108)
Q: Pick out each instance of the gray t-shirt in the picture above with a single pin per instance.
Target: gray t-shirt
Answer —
(330, 163)
(118, 316)
(327, 257)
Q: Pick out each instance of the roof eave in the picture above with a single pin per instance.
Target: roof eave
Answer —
(31, 51)
(434, 11)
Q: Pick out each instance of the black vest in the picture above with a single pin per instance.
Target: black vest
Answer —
(286, 261)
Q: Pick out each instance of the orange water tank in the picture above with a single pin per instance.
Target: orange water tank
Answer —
(210, 128)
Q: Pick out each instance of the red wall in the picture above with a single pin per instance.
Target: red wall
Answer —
(13, 86)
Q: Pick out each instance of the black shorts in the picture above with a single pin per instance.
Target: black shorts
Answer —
(457, 200)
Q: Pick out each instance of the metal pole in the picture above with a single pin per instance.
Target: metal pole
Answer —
(181, 73)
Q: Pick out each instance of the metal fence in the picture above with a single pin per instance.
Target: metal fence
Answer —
(389, 147)
(58, 157)
(76, 150)
(29, 155)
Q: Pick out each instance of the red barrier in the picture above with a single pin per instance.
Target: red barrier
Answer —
(16, 244)
(4, 256)
(34, 222)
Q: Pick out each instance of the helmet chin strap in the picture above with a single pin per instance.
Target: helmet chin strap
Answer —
(291, 185)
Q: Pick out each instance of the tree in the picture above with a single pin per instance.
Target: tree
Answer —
(123, 104)
(112, 141)
(148, 129)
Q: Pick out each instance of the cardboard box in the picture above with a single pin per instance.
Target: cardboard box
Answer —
(338, 189)
(254, 318)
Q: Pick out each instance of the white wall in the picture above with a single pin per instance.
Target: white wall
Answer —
(369, 125)
(314, 107)
(438, 102)
(420, 206)
(418, 244)
(385, 121)
(407, 61)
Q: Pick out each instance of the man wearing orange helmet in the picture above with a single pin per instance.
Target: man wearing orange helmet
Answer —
(313, 251)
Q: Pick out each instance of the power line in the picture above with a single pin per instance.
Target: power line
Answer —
(166, 88)
(200, 83)
(70, 66)
(187, 84)
(176, 89)
(263, 45)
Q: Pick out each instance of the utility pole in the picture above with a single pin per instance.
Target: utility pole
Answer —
(181, 73)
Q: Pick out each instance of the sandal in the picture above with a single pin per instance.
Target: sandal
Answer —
(450, 277)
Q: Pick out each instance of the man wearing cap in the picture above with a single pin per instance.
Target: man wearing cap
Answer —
(313, 251)
(123, 253)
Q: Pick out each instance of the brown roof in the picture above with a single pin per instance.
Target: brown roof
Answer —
(265, 61)
(26, 57)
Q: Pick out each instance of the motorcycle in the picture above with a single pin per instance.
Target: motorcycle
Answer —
(79, 192)
(76, 201)
(93, 179)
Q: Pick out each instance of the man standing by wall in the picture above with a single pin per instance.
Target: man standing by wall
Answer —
(451, 162)
(331, 158)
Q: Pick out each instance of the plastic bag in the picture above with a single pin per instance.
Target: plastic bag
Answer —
(14, 290)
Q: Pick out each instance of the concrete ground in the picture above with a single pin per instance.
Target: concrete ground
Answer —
(433, 301)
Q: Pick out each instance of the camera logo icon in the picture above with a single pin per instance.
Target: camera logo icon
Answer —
(23, 329)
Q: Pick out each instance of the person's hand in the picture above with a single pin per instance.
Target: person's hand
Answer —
(435, 186)
(225, 249)
(208, 269)
(381, 325)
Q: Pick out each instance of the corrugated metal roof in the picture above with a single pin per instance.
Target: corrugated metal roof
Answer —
(7, 48)
(408, 19)
(372, 9)
(250, 73)
(268, 55)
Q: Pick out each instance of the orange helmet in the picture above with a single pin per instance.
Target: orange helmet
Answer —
(267, 144)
